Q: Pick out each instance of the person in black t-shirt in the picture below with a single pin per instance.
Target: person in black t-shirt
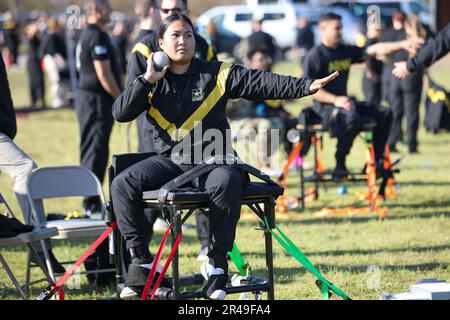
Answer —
(433, 50)
(342, 115)
(99, 84)
(372, 78)
(403, 95)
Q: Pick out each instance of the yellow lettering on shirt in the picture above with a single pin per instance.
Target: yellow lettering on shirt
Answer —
(339, 65)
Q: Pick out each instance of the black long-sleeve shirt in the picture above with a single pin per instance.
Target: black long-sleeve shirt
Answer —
(8, 123)
(434, 50)
(176, 104)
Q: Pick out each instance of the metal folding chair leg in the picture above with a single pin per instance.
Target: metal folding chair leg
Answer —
(13, 278)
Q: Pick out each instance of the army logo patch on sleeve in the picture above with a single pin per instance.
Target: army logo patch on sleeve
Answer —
(100, 50)
(197, 95)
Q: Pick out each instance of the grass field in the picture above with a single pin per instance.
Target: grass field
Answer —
(413, 243)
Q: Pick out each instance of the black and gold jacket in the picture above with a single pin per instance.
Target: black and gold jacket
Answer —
(173, 112)
(142, 49)
(137, 65)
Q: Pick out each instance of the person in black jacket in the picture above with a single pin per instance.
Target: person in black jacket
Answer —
(185, 103)
(14, 161)
(136, 67)
(433, 50)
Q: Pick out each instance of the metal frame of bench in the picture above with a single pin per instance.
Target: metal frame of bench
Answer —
(317, 130)
(263, 205)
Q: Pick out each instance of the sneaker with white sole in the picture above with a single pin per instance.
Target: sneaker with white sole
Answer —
(137, 278)
(216, 281)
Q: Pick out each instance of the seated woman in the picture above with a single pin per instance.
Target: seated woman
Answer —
(185, 105)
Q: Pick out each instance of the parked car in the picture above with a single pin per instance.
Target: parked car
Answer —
(228, 39)
(387, 8)
(279, 21)
(353, 27)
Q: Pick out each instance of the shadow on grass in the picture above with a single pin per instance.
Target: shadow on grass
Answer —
(288, 275)
(425, 183)
(364, 219)
(259, 254)
(443, 212)
(425, 205)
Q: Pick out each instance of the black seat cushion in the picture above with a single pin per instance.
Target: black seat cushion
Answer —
(190, 194)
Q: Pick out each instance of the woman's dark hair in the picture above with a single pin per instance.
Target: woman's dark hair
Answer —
(171, 19)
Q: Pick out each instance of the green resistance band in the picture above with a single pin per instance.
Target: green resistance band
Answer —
(367, 138)
(242, 265)
(294, 251)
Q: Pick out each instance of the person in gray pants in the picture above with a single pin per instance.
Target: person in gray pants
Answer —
(13, 160)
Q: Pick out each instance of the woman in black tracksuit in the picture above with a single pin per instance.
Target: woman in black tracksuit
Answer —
(403, 95)
(187, 96)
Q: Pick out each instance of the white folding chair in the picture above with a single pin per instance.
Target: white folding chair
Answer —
(62, 182)
(25, 239)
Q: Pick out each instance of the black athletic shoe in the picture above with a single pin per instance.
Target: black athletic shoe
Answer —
(216, 282)
(136, 279)
(393, 149)
(413, 150)
(340, 173)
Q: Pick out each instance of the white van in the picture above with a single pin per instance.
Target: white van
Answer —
(279, 21)
(388, 7)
